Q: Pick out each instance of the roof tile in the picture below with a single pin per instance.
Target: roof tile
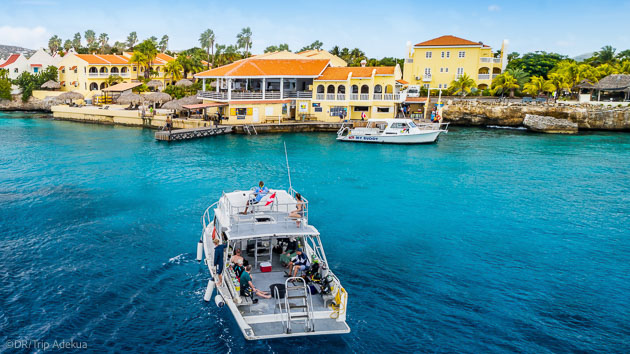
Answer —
(446, 41)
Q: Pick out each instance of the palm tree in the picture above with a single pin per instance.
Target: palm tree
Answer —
(149, 51)
(207, 42)
(102, 40)
(139, 59)
(231, 53)
(174, 69)
(624, 55)
(605, 70)
(624, 68)
(606, 55)
(462, 85)
(519, 74)
(559, 83)
(118, 47)
(335, 51)
(132, 39)
(244, 40)
(537, 85)
(504, 83)
(90, 37)
(76, 41)
(113, 80)
(67, 45)
(53, 44)
(164, 43)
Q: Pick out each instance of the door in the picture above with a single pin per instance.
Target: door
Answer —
(255, 115)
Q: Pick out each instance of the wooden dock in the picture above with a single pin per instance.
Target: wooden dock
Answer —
(192, 133)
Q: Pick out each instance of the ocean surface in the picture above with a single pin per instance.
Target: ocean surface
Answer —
(491, 240)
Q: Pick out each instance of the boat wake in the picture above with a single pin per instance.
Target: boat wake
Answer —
(505, 127)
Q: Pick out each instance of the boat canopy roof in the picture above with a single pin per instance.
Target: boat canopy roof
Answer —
(389, 120)
(267, 218)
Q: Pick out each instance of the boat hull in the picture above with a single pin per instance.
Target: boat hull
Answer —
(422, 138)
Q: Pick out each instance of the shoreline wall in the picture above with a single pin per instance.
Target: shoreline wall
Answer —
(591, 117)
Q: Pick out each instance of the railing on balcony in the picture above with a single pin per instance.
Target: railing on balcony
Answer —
(388, 96)
(426, 78)
(378, 96)
(364, 97)
(250, 95)
(341, 97)
(272, 95)
(330, 97)
(93, 74)
(490, 60)
(354, 97)
(103, 75)
(483, 76)
(320, 96)
(495, 75)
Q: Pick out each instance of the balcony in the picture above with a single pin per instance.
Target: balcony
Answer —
(357, 97)
(426, 78)
(92, 74)
(483, 76)
(341, 97)
(490, 60)
(253, 95)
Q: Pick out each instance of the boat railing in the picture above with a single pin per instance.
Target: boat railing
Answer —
(433, 126)
(205, 219)
(279, 304)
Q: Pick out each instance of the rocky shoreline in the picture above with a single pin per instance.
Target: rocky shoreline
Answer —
(32, 105)
(587, 117)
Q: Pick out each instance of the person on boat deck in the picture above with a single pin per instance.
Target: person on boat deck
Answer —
(299, 262)
(289, 253)
(248, 288)
(259, 193)
(218, 259)
(299, 212)
(236, 256)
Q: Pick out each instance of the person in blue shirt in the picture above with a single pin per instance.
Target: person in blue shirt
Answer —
(218, 259)
(299, 262)
(259, 194)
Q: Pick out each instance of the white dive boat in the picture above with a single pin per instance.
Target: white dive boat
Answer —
(393, 131)
(298, 307)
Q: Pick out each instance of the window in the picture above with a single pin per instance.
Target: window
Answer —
(461, 54)
(445, 86)
(398, 126)
(241, 111)
(320, 88)
(443, 54)
(382, 109)
(361, 108)
(446, 55)
(428, 55)
(378, 89)
(16, 70)
(441, 70)
(335, 111)
(93, 86)
(445, 70)
(460, 72)
(426, 86)
(439, 85)
(134, 68)
(63, 71)
(35, 70)
(427, 71)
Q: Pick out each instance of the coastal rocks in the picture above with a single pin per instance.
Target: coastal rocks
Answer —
(33, 104)
(587, 117)
(546, 124)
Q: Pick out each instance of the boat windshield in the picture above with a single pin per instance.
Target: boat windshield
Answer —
(377, 124)
(412, 124)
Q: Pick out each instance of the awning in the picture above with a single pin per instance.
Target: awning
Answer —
(36, 65)
(62, 83)
(73, 83)
(204, 105)
(61, 68)
(73, 68)
(415, 99)
(124, 86)
(402, 82)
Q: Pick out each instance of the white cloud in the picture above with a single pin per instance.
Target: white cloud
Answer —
(494, 8)
(27, 37)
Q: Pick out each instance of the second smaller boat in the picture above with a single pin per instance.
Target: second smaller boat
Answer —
(393, 131)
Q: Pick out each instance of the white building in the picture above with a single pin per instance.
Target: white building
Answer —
(41, 60)
(16, 64)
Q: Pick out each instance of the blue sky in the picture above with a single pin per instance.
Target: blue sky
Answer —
(380, 28)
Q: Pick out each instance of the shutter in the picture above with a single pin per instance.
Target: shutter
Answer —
(250, 111)
(232, 111)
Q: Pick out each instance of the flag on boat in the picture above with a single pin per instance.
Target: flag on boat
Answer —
(271, 199)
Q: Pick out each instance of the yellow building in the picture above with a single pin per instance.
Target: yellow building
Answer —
(437, 62)
(263, 89)
(88, 73)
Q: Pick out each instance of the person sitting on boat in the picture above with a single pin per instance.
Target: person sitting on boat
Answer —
(236, 256)
(218, 259)
(289, 253)
(259, 194)
(298, 213)
(248, 288)
(299, 263)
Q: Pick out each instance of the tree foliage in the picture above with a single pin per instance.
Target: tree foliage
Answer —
(462, 85)
(28, 82)
(538, 63)
(278, 48)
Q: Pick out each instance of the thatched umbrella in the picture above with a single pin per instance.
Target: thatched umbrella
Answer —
(71, 95)
(175, 105)
(190, 100)
(130, 98)
(51, 85)
(155, 84)
(158, 97)
(184, 83)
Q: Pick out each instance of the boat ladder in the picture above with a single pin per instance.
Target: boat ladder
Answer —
(302, 310)
(247, 129)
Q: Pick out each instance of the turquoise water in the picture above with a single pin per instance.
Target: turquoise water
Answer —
(489, 241)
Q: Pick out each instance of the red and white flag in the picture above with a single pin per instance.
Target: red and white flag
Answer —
(272, 198)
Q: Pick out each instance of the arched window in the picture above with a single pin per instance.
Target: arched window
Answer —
(320, 89)
(365, 89)
(330, 89)
(123, 69)
(378, 89)
(389, 89)
(114, 70)
(93, 70)
(341, 89)
(93, 86)
(103, 70)
(355, 89)
(103, 85)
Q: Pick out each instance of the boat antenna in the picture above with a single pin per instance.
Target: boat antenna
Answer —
(286, 156)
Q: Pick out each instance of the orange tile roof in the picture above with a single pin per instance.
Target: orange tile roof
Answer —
(92, 59)
(402, 82)
(446, 41)
(114, 59)
(341, 73)
(165, 57)
(268, 67)
(10, 61)
(259, 102)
